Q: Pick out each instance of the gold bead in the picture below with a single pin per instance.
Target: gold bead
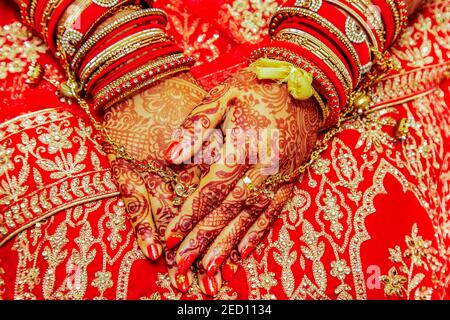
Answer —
(401, 133)
(70, 89)
(35, 74)
(362, 101)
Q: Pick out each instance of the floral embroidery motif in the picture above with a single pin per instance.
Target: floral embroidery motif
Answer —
(54, 144)
(418, 255)
(15, 55)
(248, 19)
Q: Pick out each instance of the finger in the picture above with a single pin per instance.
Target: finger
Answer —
(137, 203)
(197, 127)
(228, 238)
(231, 265)
(255, 233)
(213, 188)
(207, 229)
(209, 285)
(180, 280)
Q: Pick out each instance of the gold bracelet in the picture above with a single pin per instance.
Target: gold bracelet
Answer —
(97, 36)
(326, 24)
(123, 45)
(126, 78)
(121, 53)
(316, 47)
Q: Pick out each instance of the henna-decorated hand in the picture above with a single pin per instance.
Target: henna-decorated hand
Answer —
(143, 126)
(216, 218)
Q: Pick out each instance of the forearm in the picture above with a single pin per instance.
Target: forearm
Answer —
(112, 51)
(337, 41)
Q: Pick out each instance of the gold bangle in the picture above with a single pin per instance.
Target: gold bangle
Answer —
(32, 12)
(324, 23)
(127, 77)
(52, 5)
(316, 47)
(397, 17)
(128, 43)
(97, 36)
(120, 54)
(323, 107)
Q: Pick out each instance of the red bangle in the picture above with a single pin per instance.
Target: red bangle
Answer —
(141, 78)
(388, 20)
(323, 38)
(53, 23)
(95, 12)
(300, 14)
(130, 62)
(150, 56)
(106, 42)
(38, 14)
(333, 37)
(153, 17)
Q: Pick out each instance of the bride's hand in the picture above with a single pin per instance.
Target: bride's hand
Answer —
(143, 126)
(215, 218)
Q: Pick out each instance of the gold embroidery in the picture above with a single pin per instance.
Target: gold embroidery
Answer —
(60, 153)
(418, 255)
(248, 20)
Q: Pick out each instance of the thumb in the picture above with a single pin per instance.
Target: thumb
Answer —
(197, 128)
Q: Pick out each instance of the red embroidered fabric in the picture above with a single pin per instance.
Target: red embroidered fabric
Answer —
(368, 221)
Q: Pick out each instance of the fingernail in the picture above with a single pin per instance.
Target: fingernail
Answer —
(182, 282)
(245, 251)
(185, 262)
(210, 285)
(174, 150)
(214, 265)
(154, 251)
(173, 240)
(228, 271)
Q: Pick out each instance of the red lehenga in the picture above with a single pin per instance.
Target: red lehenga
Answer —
(370, 219)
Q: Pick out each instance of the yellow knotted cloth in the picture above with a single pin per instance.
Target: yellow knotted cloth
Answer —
(299, 81)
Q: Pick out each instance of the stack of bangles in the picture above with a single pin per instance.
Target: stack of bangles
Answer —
(109, 61)
(335, 41)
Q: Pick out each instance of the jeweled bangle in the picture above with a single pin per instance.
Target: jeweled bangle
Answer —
(119, 48)
(327, 25)
(312, 44)
(27, 9)
(394, 17)
(73, 35)
(52, 23)
(50, 13)
(359, 16)
(126, 58)
(374, 18)
(141, 78)
(135, 18)
(133, 64)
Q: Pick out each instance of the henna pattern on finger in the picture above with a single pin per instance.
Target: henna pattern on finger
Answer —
(263, 222)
